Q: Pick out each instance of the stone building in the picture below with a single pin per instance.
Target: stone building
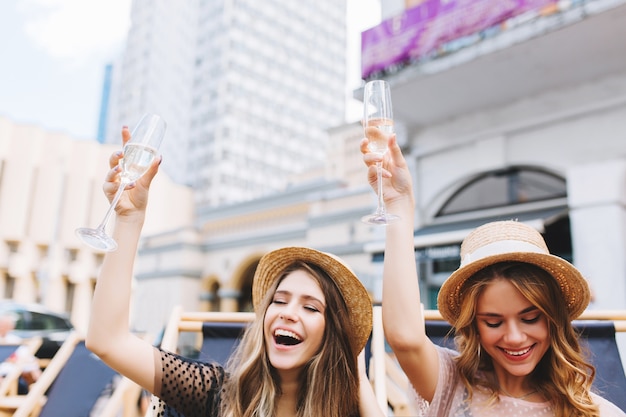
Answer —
(50, 184)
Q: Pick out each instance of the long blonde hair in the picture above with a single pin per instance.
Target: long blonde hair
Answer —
(563, 375)
(329, 383)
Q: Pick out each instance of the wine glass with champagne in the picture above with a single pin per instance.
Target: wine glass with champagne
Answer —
(378, 126)
(139, 153)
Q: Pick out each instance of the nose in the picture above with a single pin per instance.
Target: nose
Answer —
(514, 334)
(289, 312)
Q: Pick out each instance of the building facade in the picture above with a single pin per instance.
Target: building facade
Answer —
(486, 138)
(524, 119)
(51, 184)
(527, 123)
(247, 88)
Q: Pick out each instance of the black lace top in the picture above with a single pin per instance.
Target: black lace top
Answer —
(187, 388)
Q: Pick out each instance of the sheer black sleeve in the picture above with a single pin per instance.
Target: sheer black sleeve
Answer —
(186, 387)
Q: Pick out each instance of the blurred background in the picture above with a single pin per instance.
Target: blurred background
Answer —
(505, 110)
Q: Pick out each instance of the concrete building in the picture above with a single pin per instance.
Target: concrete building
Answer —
(50, 184)
(104, 103)
(525, 124)
(525, 121)
(155, 74)
(247, 88)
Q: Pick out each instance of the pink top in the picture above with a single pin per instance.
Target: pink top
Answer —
(450, 395)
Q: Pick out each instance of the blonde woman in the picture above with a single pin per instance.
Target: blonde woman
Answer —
(511, 304)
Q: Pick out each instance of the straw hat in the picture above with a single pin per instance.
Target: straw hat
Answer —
(356, 297)
(510, 240)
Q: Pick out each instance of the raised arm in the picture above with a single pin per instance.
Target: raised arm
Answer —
(109, 334)
(403, 320)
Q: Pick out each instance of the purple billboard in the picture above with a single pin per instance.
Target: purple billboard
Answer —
(421, 30)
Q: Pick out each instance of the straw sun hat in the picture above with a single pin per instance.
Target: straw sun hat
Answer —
(356, 297)
(510, 240)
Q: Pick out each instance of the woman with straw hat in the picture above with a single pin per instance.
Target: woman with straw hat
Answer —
(299, 357)
(511, 304)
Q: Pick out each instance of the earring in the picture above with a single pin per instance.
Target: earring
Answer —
(479, 351)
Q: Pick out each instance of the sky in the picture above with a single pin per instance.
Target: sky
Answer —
(54, 52)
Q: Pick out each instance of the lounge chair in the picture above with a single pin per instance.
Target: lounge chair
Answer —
(9, 384)
(69, 386)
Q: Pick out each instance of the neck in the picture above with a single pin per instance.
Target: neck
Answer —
(519, 397)
(286, 406)
(515, 387)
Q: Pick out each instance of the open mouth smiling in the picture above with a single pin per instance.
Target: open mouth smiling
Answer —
(286, 337)
(517, 353)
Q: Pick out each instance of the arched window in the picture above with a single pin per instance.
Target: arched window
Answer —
(508, 191)
(505, 187)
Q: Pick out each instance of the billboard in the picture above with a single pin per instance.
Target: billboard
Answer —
(418, 33)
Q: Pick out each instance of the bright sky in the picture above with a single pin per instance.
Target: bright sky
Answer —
(54, 52)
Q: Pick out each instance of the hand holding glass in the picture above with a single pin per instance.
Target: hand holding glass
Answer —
(378, 125)
(139, 153)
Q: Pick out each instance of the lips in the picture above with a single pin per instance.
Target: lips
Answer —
(286, 337)
(517, 354)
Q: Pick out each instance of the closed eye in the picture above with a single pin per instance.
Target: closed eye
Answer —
(532, 320)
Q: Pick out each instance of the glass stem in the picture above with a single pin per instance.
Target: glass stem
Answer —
(381, 203)
(114, 202)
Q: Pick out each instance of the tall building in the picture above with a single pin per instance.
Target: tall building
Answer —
(248, 89)
(155, 74)
(104, 103)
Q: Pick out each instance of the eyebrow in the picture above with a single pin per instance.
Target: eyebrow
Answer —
(521, 313)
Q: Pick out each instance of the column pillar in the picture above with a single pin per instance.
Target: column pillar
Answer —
(21, 268)
(597, 201)
(229, 299)
(51, 283)
(80, 273)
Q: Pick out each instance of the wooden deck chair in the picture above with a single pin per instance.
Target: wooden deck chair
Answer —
(69, 386)
(11, 378)
(217, 335)
(123, 400)
(218, 332)
(219, 340)
(7, 349)
(9, 384)
(597, 331)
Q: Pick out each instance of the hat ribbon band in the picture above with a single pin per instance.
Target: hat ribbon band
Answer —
(501, 247)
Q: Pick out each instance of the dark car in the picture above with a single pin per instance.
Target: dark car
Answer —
(34, 320)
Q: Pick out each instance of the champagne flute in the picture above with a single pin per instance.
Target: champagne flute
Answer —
(378, 126)
(139, 153)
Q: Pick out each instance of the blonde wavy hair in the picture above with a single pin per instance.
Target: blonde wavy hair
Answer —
(329, 383)
(563, 375)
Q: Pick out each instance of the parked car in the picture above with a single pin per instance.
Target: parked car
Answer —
(34, 320)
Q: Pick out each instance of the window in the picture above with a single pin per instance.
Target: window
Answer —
(511, 186)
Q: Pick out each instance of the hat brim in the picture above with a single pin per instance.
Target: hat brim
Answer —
(273, 264)
(573, 285)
